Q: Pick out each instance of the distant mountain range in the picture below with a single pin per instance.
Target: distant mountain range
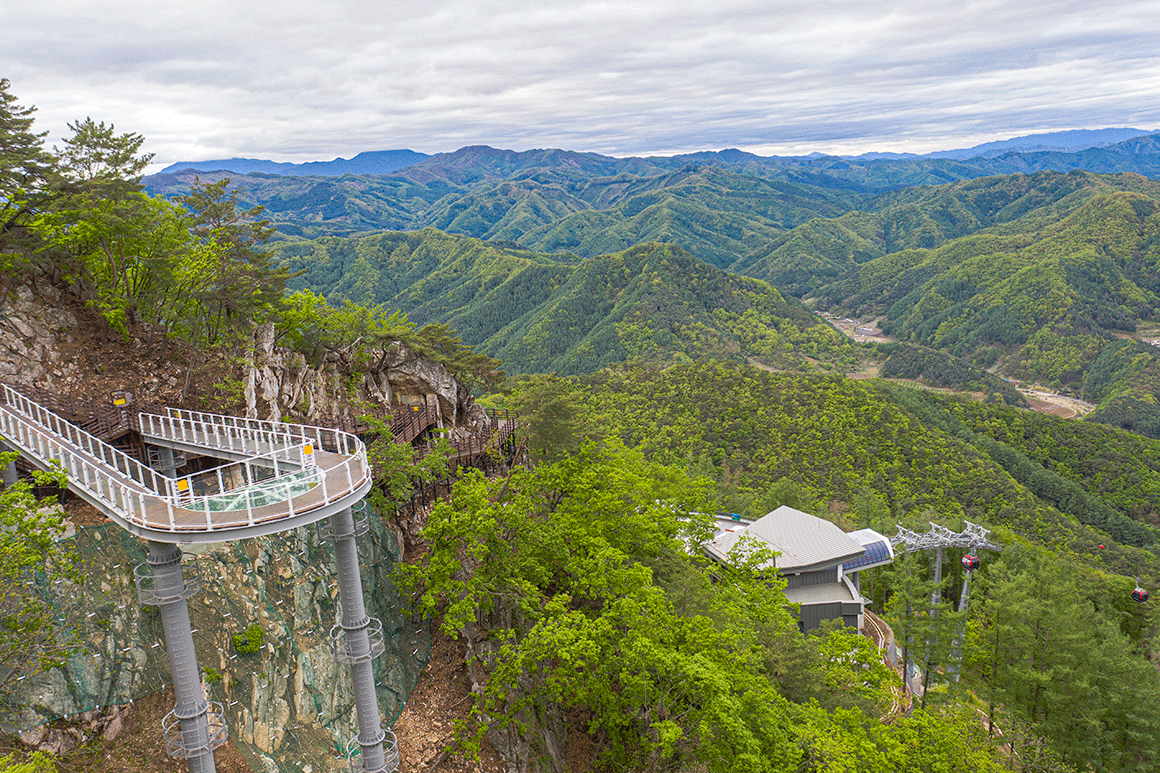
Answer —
(371, 162)
(1068, 141)
(388, 161)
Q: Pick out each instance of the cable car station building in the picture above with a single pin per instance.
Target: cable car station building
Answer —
(819, 561)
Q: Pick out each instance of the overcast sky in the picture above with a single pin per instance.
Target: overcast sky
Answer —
(298, 81)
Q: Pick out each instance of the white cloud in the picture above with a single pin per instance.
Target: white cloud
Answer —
(302, 81)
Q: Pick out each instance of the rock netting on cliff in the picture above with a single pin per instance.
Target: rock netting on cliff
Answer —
(289, 706)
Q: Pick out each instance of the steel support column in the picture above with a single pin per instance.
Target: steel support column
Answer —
(191, 707)
(356, 641)
(957, 643)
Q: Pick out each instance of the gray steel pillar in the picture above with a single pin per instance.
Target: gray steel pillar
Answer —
(356, 642)
(935, 595)
(957, 643)
(191, 708)
(166, 463)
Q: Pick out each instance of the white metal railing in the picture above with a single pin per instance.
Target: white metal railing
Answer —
(144, 497)
(260, 468)
(234, 433)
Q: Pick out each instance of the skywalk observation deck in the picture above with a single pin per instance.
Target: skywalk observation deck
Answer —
(276, 476)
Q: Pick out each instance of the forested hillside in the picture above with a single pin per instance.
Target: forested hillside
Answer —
(1074, 504)
(1038, 277)
(544, 313)
(924, 217)
(1040, 298)
(836, 437)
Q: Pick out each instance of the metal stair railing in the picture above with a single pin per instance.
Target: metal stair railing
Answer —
(137, 494)
(216, 432)
(110, 475)
(182, 744)
(409, 424)
(390, 754)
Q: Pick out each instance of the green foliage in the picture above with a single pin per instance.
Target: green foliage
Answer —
(1040, 294)
(551, 414)
(872, 452)
(250, 640)
(212, 675)
(29, 179)
(556, 563)
(847, 741)
(946, 371)
(1060, 491)
(853, 672)
(443, 345)
(30, 555)
(784, 491)
(235, 285)
(1034, 656)
(1123, 380)
(36, 762)
(1121, 468)
(831, 436)
(397, 469)
(578, 572)
(350, 333)
(124, 253)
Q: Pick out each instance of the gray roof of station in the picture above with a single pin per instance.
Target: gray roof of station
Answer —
(806, 542)
(827, 593)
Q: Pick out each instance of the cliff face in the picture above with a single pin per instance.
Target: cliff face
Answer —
(280, 384)
(30, 327)
(289, 707)
(51, 341)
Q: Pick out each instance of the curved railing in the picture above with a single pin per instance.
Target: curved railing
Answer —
(133, 492)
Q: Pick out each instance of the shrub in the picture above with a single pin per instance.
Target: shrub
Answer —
(249, 641)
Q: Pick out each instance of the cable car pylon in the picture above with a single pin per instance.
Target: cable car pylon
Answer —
(972, 538)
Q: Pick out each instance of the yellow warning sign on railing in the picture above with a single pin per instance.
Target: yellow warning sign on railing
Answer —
(307, 449)
(183, 484)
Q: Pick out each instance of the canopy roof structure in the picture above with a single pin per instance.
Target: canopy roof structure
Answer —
(806, 542)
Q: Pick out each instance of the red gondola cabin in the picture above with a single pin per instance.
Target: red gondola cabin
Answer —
(970, 563)
(1139, 595)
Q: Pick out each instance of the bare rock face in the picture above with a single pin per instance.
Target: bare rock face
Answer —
(280, 384)
(108, 722)
(28, 327)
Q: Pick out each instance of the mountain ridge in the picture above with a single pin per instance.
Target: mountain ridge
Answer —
(387, 161)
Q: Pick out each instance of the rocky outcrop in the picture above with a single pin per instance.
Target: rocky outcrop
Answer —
(29, 327)
(39, 346)
(280, 384)
(106, 722)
